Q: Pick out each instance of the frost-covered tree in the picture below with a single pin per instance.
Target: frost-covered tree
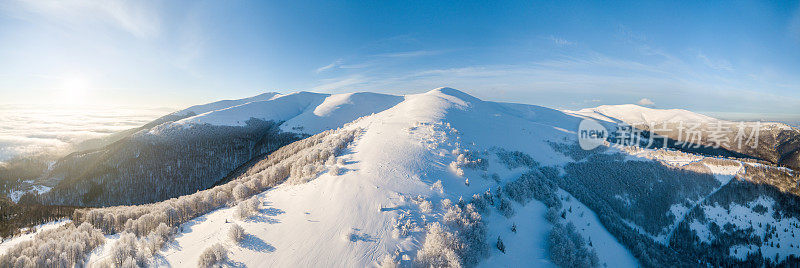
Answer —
(236, 233)
(60, 247)
(240, 192)
(459, 241)
(247, 208)
(439, 248)
(213, 256)
(127, 248)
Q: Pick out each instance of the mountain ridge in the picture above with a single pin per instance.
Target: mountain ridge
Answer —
(444, 178)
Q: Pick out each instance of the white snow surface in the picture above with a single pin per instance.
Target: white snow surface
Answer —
(633, 114)
(302, 112)
(350, 220)
(217, 105)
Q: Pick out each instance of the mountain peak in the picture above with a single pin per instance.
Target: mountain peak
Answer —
(454, 93)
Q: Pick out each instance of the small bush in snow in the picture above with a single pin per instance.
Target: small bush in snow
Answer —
(500, 246)
(236, 233)
(247, 208)
(390, 261)
(404, 225)
(425, 206)
(336, 170)
(213, 256)
(437, 186)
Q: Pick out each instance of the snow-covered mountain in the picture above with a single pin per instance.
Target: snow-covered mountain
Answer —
(303, 112)
(440, 179)
(635, 114)
(774, 142)
(395, 176)
(195, 148)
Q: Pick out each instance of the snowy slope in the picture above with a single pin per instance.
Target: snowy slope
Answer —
(338, 109)
(303, 112)
(401, 161)
(634, 114)
(217, 105)
(279, 108)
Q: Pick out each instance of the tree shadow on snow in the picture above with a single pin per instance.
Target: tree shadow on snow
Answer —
(234, 264)
(262, 219)
(160, 261)
(355, 235)
(254, 243)
(272, 211)
(187, 227)
(390, 208)
(173, 244)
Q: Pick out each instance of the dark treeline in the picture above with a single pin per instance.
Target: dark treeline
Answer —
(160, 163)
(14, 217)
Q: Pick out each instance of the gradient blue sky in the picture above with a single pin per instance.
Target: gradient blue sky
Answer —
(737, 58)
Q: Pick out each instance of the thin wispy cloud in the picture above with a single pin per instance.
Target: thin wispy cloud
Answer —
(411, 54)
(138, 18)
(715, 64)
(641, 44)
(343, 83)
(561, 42)
(331, 66)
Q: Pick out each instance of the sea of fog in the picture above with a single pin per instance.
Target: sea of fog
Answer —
(35, 129)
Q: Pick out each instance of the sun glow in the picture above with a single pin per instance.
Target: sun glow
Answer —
(73, 89)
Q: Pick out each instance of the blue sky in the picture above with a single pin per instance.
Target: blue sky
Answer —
(731, 58)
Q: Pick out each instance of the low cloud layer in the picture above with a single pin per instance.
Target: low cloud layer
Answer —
(31, 130)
